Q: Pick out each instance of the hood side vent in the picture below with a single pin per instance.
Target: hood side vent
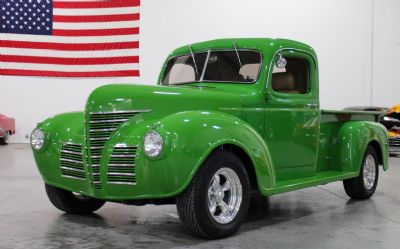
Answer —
(71, 161)
(121, 167)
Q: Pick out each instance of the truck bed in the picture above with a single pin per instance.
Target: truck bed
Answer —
(345, 115)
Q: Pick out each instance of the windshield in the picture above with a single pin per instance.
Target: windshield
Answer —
(216, 66)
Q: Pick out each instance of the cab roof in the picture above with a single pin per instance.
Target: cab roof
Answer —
(261, 44)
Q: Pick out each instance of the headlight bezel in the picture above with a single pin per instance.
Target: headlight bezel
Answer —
(157, 146)
(40, 138)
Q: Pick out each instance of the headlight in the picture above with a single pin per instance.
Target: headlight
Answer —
(153, 144)
(37, 139)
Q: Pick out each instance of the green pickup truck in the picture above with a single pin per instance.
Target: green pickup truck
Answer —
(229, 118)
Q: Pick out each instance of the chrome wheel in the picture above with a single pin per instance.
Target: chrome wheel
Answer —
(369, 172)
(224, 195)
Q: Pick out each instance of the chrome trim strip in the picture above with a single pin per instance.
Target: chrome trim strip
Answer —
(99, 138)
(109, 121)
(70, 143)
(120, 112)
(124, 146)
(120, 174)
(93, 157)
(95, 165)
(74, 177)
(72, 169)
(122, 156)
(98, 130)
(71, 161)
(122, 183)
(121, 165)
(96, 174)
(72, 152)
(97, 147)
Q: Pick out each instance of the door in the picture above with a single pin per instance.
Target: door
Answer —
(293, 116)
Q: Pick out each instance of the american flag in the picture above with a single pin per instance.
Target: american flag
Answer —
(69, 38)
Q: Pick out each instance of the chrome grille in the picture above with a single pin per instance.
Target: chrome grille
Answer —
(101, 126)
(71, 161)
(121, 168)
(394, 141)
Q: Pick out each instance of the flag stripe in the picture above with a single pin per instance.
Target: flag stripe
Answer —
(96, 4)
(68, 39)
(69, 68)
(95, 12)
(70, 61)
(70, 54)
(95, 25)
(70, 46)
(96, 32)
(119, 73)
(101, 18)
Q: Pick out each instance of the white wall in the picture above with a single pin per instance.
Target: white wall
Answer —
(386, 53)
(341, 31)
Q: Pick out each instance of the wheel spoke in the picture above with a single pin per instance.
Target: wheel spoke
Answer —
(224, 208)
(226, 186)
(212, 207)
(216, 181)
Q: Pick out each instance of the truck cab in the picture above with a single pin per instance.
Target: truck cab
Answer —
(228, 118)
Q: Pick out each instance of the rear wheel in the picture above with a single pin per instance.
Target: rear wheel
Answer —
(364, 186)
(72, 203)
(216, 202)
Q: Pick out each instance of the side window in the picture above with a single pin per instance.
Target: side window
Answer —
(293, 78)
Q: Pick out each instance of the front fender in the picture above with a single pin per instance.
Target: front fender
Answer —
(58, 130)
(353, 139)
(189, 137)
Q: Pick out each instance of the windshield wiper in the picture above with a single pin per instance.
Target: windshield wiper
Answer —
(237, 53)
(194, 60)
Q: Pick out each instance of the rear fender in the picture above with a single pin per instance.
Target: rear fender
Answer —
(352, 141)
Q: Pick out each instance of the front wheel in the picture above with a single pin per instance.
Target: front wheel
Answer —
(364, 186)
(216, 202)
(72, 203)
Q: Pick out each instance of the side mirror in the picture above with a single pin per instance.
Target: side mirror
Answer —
(281, 62)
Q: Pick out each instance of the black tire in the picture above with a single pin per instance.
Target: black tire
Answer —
(4, 140)
(70, 203)
(192, 204)
(355, 187)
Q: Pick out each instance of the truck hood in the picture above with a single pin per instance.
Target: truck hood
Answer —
(162, 100)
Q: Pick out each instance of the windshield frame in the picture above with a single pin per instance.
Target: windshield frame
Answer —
(209, 51)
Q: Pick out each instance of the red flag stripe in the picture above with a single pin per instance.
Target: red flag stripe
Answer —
(122, 73)
(70, 46)
(69, 61)
(96, 32)
(105, 18)
(97, 4)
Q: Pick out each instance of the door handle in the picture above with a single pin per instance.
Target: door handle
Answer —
(312, 106)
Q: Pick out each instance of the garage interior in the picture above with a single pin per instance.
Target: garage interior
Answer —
(317, 217)
(358, 46)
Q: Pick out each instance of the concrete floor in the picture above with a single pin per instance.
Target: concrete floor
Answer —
(319, 217)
